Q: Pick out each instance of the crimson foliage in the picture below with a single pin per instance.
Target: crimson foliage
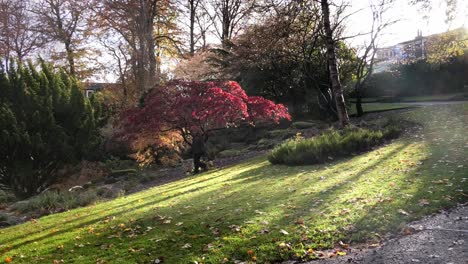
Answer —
(196, 108)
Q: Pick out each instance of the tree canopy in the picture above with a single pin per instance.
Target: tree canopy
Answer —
(196, 108)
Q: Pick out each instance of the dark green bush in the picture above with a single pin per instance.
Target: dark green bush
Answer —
(45, 122)
(330, 145)
(419, 78)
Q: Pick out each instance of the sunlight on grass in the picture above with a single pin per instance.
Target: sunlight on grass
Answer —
(255, 209)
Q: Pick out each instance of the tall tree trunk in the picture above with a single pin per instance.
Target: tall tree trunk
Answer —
(226, 25)
(70, 58)
(141, 70)
(359, 110)
(192, 26)
(334, 76)
(153, 73)
(7, 61)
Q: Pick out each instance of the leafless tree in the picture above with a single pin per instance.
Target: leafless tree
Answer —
(228, 16)
(118, 51)
(204, 24)
(366, 58)
(18, 36)
(144, 26)
(64, 21)
(193, 6)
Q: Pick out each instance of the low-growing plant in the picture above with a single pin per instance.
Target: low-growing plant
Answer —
(52, 201)
(3, 217)
(330, 145)
(6, 196)
(303, 125)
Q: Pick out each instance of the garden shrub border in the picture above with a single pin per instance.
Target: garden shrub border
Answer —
(330, 145)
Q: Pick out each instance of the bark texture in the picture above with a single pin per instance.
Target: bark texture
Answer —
(333, 68)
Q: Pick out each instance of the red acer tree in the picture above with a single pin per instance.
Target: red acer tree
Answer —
(195, 109)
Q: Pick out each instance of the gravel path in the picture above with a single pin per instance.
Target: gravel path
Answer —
(442, 238)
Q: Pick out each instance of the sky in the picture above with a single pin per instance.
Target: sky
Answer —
(410, 20)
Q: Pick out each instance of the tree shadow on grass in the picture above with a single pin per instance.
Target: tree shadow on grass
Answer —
(152, 197)
(238, 191)
(250, 187)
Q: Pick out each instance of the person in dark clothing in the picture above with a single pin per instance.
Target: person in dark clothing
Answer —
(198, 150)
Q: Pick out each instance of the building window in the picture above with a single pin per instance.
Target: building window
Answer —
(89, 93)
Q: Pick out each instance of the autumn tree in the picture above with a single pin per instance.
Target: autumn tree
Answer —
(195, 109)
(444, 47)
(196, 68)
(64, 21)
(18, 33)
(142, 28)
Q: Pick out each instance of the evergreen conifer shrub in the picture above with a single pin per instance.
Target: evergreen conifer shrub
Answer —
(45, 122)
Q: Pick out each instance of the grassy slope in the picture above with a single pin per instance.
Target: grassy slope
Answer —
(351, 200)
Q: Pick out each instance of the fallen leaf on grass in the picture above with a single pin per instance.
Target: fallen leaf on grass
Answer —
(403, 212)
(208, 247)
(215, 231)
(158, 260)
(444, 181)
(343, 245)
(284, 232)
(188, 245)
(284, 245)
(235, 228)
(408, 231)
(423, 202)
(345, 211)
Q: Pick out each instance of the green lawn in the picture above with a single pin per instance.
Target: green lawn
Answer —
(378, 107)
(440, 97)
(421, 98)
(257, 211)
